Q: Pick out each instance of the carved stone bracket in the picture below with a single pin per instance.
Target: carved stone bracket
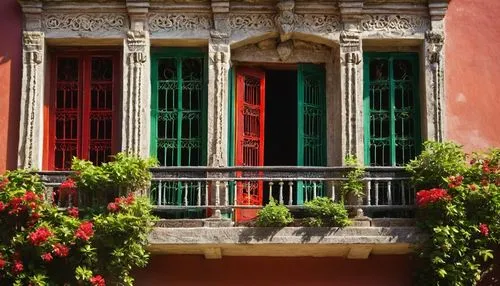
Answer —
(434, 41)
(351, 93)
(31, 131)
(285, 19)
(218, 70)
(134, 105)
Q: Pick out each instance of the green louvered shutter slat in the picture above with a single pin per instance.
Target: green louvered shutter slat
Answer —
(311, 139)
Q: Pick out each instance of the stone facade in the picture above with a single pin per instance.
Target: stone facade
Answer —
(286, 31)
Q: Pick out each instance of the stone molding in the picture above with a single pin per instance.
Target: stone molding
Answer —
(395, 23)
(178, 22)
(31, 121)
(95, 22)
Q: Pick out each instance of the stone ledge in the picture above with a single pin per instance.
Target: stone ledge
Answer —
(286, 235)
(349, 242)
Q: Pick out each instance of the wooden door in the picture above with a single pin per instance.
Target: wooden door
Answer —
(311, 139)
(250, 116)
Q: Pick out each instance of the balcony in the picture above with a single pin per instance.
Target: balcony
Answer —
(202, 211)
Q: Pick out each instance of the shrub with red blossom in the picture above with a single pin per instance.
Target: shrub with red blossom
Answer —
(461, 214)
(43, 245)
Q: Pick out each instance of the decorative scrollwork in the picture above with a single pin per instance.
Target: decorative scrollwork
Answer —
(317, 23)
(85, 22)
(251, 22)
(395, 23)
(175, 22)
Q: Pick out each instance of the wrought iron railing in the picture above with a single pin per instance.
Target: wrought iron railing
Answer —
(206, 191)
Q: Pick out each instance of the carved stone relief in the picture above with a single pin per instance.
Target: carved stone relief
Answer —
(179, 22)
(85, 22)
(135, 53)
(434, 41)
(247, 22)
(395, 23)
(31, 100)
(350, 49)
(219, 69)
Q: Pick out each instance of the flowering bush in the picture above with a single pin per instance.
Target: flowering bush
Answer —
(461, 213)
(41, 245)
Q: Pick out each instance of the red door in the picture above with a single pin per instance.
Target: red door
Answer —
(250, 103)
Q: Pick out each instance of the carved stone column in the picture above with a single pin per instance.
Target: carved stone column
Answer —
(30, 148)
(218, 71)
(136, 77)
(351, 78)
(434, 72)
(31, 121)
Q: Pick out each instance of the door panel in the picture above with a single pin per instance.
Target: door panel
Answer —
(250, 115)
(311, 143)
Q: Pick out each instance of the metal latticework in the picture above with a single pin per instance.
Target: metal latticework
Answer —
(392, 134)
(82, 115)
(178, 110)
(311, 125)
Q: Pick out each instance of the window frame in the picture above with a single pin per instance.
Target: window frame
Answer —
(178, 52)
(414, 58)
(84, 57)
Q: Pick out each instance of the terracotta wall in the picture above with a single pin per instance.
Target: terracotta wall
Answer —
(10, 81)
(248, 271)
(473, 73)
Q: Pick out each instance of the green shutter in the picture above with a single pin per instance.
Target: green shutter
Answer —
(311, 133)
(178, 117)
(391, 108)
(178, 108)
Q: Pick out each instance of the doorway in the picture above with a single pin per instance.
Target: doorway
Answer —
(280, 144)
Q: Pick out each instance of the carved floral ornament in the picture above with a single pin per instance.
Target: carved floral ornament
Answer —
(99, 22)
(176, 22)
(395, 23)
(315, 23)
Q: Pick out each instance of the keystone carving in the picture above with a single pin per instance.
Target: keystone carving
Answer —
(286, 18)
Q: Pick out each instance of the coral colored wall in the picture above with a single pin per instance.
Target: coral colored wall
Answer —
(473, 73)
(10, 81)
(249, 271)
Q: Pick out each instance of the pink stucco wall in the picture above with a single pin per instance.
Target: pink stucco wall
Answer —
(10, 81)
(472, 85)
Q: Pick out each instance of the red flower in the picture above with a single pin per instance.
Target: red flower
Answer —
(2, 263)
(97, 281)
(73, 212)
(85, 231)
(486, 169)
(483, 228)
(60, 250)
(472, 187)
(18, 267)
(16, 206)
(39, 236)
(113, 207)
(68, 184)
(30, 196)
(47, 257)
(454, 182)
(129, 199)
(425, 197)
(2, 206)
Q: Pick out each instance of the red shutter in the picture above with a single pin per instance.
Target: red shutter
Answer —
(82, 111)
(250, 114)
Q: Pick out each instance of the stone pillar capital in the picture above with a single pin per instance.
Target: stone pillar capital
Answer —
(137, 12)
